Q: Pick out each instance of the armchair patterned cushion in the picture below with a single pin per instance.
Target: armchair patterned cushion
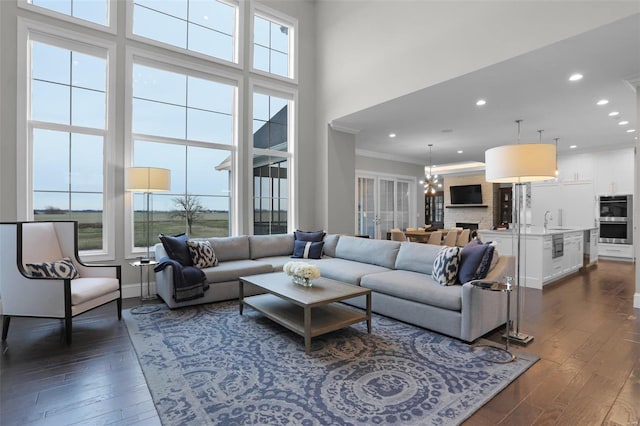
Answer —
(23, 243)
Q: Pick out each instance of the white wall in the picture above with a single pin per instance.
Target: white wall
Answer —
(371, 52)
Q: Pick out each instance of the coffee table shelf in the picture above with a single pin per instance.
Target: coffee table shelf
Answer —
(307, 311)
(325, 319)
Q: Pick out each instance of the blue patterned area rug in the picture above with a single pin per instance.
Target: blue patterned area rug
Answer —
(208, 365)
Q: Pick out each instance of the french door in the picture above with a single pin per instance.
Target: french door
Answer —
(383, 203)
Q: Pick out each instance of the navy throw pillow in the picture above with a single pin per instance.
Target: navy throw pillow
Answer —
(176, 248)
(485, 264)
(307, 249)
(313, 236)
(470, 259)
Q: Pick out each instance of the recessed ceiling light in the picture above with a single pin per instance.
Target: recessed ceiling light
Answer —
(631, 130)
(613, 113)
(575, 77)
(460, 151)
(623, 123)
(602, 102)
(392, 135)
(573, 146)
(481, 102)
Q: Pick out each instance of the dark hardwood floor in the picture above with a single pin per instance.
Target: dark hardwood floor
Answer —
(586, 333)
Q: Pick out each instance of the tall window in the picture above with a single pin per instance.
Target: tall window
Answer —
(68, 133)
(183, 120)
(204, 26)
(271, 163)
(272, 45)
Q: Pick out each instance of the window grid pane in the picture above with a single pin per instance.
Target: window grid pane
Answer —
(203, 26)
(271, 46)
(95, 11)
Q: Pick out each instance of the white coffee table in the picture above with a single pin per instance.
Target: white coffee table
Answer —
(307, 311)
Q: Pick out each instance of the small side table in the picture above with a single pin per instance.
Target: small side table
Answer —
(505, 288)
(142, 308)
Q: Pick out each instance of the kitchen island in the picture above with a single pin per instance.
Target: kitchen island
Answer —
(547, 255)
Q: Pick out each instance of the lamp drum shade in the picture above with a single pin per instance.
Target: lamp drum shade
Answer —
(147, 179)
(520, 163)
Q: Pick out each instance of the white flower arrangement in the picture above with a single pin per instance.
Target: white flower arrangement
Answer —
(302, 269)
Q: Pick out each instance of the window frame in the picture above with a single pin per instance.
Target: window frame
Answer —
(28, 31)
(284, 20)
(239, 37)
(291, 155)
(112, 14)
(169, 63)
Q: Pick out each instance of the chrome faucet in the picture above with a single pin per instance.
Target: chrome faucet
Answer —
(547, 218)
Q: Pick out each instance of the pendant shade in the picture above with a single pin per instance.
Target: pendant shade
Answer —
(147, 179)
(520, 163)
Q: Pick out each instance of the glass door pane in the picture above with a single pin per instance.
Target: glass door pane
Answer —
(386, 209)
(366, 214)
(402, 205)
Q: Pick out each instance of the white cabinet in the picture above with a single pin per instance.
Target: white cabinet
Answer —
(614, 172)
(591, 245)
(623, 251)
(571, 204)
(577, 167)
(573, 251)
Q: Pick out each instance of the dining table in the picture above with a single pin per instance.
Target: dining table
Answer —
(423, 236)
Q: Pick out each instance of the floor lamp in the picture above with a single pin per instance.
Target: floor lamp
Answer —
(519, 164)
(147, 180)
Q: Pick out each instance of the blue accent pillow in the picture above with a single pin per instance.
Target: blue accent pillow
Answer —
(176, 248)
(445, 266)
(313, 236)
(307, 249)
(485, 264)
(470, 259)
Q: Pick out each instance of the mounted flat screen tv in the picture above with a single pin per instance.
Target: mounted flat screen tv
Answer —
(466, 194)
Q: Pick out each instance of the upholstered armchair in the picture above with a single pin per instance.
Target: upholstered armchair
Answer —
(42, 276)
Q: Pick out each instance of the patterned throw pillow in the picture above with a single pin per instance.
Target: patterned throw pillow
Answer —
(445, 266)
(202, 254)
(59, 269)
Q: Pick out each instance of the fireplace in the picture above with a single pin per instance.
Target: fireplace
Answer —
(467, 225)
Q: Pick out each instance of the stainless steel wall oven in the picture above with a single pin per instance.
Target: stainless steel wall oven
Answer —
(616, 219)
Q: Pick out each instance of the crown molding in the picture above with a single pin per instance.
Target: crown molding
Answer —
(341, 128)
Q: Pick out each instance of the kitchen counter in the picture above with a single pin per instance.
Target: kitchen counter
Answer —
(547, 255)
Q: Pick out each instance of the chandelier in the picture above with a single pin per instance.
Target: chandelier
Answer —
(430, 181)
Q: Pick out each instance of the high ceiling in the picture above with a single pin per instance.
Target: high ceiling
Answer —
(533, 87)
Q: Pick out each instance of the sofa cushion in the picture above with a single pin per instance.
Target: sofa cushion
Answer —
(202, 254)
(176, 248)
(415, 286)
(330, 243)
(417, 257)
(307, 249)
(376, 252)
(276, 262)
(233, 269)
(63, 268)
(231, 248)
(270, 245)
(86, 289)
(313, 236)
(445, 266)
(347, 271)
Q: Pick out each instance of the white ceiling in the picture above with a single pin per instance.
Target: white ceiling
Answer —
(533, 87)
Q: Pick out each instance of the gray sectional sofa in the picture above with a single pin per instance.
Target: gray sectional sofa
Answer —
(398, 273)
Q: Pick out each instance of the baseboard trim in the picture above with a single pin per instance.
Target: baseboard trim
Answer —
(133, 290)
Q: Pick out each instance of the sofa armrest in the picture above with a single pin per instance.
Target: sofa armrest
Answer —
(484, 310)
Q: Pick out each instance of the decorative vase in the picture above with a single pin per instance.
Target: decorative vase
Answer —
(297, 279)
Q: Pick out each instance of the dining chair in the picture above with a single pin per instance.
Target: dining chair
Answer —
(435, 238)
(450, 238)
(463, 238)
(398, 235)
